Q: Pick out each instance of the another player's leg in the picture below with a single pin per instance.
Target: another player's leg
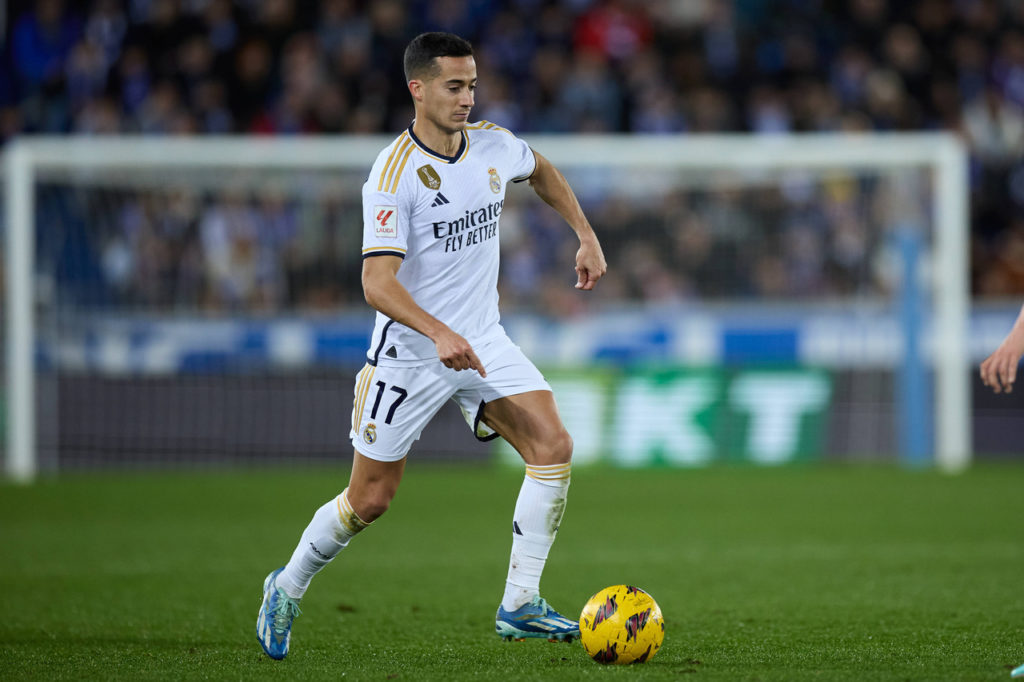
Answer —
(530, 423)
(371, 488)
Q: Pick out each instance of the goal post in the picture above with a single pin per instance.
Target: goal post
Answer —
(944, 153)
(19, 259)
(639, 159)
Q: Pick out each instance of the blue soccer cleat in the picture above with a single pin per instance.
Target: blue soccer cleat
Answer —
(535, 619)
(1018, 671)
(274, 625)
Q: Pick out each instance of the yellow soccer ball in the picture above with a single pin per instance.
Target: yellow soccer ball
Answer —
(621, 624)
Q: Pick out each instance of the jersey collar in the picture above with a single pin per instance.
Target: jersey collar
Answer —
(459, 153)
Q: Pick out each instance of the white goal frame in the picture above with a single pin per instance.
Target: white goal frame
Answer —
(942, 152)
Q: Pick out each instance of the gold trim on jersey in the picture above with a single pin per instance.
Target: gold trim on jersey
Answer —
(400, 144)
(393, 187)
(426, 151)
(487, 125)
(373, 249)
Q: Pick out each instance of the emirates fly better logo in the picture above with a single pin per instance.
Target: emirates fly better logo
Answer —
(385, 221)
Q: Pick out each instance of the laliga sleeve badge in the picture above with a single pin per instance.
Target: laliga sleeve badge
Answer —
(495, 180)
(385, 222)
(370, 433)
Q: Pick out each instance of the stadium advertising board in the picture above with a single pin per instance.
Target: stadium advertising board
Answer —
(692, 417)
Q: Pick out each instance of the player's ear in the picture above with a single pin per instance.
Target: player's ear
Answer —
(416, 90)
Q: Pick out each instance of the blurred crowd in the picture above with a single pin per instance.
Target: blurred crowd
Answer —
(286, 67)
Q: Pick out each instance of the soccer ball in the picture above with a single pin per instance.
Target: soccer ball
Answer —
(621, 624)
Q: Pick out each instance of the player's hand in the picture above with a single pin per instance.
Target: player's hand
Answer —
(590, 264)
(1000, 369)
(456, 353)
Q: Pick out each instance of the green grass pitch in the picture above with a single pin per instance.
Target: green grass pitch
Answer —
(808, 573)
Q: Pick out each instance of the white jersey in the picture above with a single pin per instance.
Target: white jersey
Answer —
(440, 215)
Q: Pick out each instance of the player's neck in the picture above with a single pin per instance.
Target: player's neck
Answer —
(441, 141)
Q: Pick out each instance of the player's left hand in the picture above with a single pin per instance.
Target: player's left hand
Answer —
(590, 264)
(1000, 369)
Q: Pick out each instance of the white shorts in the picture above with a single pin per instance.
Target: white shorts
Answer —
(394, 402)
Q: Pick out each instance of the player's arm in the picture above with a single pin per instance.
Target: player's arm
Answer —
(551, 186)
(385, 293)
(1000, 369)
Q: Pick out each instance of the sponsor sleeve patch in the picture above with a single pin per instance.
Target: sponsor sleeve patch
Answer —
(385, 222)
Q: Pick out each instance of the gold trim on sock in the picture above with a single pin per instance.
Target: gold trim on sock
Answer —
(551, 472)
(349, 519)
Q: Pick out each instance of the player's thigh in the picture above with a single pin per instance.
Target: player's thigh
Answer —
(392, 407)
(531, 424)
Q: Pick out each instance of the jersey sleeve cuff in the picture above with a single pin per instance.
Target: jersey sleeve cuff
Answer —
(383, 252)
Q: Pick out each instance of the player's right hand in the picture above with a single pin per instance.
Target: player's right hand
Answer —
(456, 353)
(590, 264)
(1000, 369)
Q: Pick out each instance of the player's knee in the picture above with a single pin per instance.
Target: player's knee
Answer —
(375, 508)
(371, 502)
(555, 450)
(563, 449)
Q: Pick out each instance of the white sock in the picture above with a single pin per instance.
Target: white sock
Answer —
(333, 525)
(534, 525)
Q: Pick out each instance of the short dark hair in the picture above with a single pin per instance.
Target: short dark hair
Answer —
(426, 47)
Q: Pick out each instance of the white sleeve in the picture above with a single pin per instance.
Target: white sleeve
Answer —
(522, 159)
(385, 223)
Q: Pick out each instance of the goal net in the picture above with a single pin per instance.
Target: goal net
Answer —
(198, 301)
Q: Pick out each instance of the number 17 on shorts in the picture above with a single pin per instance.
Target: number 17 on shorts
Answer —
(392, 407)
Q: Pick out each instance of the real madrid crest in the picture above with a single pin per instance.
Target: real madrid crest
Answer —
(495, 180)
(370, 433)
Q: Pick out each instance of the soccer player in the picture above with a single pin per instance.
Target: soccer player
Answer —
(431, 210)
(999, 370)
